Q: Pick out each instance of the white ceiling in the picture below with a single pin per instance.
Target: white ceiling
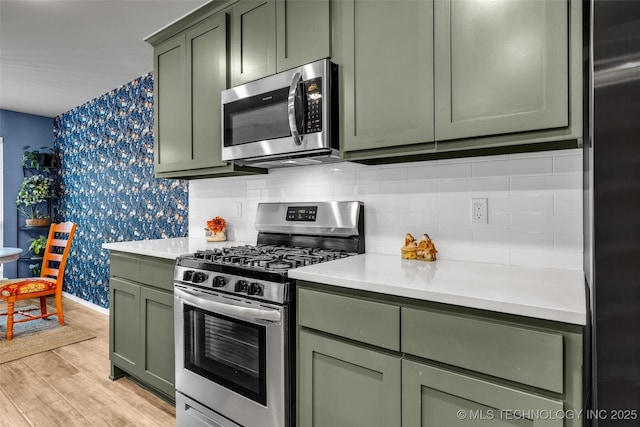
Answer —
(58, 54)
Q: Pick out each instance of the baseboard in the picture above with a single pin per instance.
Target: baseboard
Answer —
(86, 303)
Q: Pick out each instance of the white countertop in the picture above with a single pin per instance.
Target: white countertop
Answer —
(543, 293)
(168, 248)
(549, 294)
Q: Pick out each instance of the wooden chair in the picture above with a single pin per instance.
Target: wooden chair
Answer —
(49, 282)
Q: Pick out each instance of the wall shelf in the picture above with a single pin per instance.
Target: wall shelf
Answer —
(26, 232)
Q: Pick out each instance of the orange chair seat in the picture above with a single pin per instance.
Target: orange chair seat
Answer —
(13, 287)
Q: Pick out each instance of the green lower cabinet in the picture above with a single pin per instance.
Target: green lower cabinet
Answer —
(141, 342)
(342, 384)
(124, 323)
(434, 397)
(158, 355)
(431, 365)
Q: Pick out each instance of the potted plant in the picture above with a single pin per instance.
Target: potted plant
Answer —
(39, 160)
(216, 230)
(35, 269)
(34, 191)
(37, 245)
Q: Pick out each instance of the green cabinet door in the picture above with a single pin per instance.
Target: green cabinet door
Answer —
(303, 32)
(386, 58)
(124, 324)
(342, 384)
(501, 66)
(157, 353)
(191, 71)
(253, 43)
(141, 321)
(434, 397)
(171, 100)
(207, 71)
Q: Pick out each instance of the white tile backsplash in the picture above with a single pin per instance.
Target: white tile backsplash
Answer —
(553, 223)
(382, 174)
(534, 202)
(409, 187)
(511, 167)
(431, 170)
(474, 185)
(547, 182)
(567, 164)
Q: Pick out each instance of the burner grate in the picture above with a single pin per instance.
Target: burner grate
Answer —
(269, 257)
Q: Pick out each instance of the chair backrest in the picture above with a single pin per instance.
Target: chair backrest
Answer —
(57, 251)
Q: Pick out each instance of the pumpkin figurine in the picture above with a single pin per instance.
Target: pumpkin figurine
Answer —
(409, 250)
(426, 250)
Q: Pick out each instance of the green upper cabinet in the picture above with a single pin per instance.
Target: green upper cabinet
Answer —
(253, 51)
(207, 69)
(276, 35)
(385, 49)
(191, 71)
(452, 78)
(500, 66)
(170, 105)
(302, 32)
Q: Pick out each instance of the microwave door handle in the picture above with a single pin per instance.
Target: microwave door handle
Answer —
(291, 104)
(232, 310)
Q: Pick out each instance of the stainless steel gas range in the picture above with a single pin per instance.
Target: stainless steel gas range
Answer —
(235, 312)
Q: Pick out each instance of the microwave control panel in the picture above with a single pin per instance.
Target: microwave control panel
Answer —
(313, 89)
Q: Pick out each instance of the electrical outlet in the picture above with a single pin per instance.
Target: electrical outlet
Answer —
(238, 209)
(479, 211)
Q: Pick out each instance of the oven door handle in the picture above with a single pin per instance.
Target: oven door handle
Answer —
(232, 310)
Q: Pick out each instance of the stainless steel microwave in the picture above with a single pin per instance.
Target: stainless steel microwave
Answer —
(286, 119)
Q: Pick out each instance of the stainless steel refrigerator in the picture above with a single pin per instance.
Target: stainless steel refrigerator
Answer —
(612, 208)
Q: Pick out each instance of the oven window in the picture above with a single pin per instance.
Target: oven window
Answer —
(228, 351)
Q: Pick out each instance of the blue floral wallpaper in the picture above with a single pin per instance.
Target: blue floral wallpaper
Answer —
(107, 184)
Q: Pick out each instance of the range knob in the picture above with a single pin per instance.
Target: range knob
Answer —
(219, 282)
(241, 286)
(199, 277)
(187, 276)
(255, 289)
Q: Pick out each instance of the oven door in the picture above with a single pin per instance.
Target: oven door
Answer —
(231, 355)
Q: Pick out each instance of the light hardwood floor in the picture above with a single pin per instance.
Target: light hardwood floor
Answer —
(70, 386)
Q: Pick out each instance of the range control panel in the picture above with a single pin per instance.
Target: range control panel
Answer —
(302, 213)
(229, 283)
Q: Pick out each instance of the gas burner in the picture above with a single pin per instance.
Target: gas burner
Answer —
(302, 260)
(279, 265)
(327, 255)
(285, 251)
(269, 257)
(261, 260)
